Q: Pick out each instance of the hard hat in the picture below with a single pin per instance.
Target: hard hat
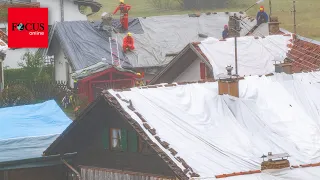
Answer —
(138, 74)
(121, 1)
(129, 33)
(261, 8)
(103, 14)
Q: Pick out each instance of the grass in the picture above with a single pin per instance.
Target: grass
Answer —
(308, 19)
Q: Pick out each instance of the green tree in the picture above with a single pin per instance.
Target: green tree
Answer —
(33, 64)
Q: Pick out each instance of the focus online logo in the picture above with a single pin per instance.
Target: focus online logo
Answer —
(34, 29)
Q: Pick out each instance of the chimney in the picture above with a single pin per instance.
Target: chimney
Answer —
(285, 67)
(229, 85)
(275, 161)
(274, 27)
(234, 26)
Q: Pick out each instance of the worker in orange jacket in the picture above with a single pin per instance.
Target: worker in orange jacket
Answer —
(124, 9)
(128, 43)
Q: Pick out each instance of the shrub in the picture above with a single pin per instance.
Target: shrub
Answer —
(16, 95)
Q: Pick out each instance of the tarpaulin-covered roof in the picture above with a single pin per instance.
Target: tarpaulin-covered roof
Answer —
(255, 55)
(155, 37)
(213, 134)
(26, 131)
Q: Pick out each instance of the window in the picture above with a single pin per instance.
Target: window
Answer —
(115, 138)
(120, 140)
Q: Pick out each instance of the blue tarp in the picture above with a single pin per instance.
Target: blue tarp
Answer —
(26, 131)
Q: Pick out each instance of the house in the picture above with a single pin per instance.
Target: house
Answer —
(198, 62)
(208, 58)
(66, 10)
(204, 130)
(157, 40)
(3, 51)
(26, 131)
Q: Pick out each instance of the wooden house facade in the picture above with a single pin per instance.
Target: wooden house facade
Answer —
(108, 147)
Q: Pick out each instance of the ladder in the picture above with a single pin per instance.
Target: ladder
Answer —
(114, 48)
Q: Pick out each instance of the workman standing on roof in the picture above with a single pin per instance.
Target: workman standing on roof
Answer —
(128, 42)
(225, 32)
(124, 9)
(262, 17)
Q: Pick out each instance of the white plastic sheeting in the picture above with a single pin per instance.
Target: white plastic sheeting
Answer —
(255, 56)
(222, 134)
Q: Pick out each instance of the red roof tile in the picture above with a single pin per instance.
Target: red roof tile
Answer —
(305, 56)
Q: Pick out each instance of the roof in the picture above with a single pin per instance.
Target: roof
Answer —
(36, 162)
(306, 55)
(207, 135)
(84, 51)
(162, 34)
(217, 54)
(26, 131)
(256, 55)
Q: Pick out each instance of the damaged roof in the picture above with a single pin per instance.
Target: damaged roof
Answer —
(155, 38)
(200, 133)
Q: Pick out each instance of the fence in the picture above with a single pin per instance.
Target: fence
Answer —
(44, 90)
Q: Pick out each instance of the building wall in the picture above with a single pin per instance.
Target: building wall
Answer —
(71, 12)
(60, 66)
(1, 75)
(88, 173)
(192, 73)
(87, 139)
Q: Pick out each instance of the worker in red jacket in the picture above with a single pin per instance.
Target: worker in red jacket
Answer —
(128, 43)
(124, 9)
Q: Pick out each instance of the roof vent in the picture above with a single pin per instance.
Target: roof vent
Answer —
(275, 161)
(229, 84)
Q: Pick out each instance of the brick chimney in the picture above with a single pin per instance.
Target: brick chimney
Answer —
(234, 26)
(229, 85)
(285, 67)
(274, 25)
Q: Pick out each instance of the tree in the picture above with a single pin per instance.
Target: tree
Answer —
(33, 64)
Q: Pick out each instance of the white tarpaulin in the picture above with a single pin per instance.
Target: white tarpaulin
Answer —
(221, 134)
(255, 56)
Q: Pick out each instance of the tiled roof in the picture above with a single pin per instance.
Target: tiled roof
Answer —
(305, 56)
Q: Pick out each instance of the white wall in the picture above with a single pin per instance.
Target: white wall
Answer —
(71, 12)
(192, 73)
(61, 69)
(2, 76)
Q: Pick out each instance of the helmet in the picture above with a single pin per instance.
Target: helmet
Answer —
(138, 74)
(121, 1)
(129, 34)
(261, 8)
(103, 14)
